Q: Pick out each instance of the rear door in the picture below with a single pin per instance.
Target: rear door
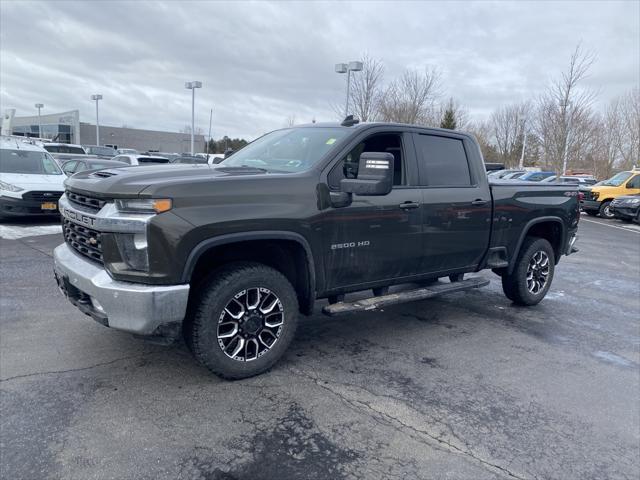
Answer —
(456, 201)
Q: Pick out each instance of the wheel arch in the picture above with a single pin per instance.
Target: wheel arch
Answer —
(287, 252)
(550, 228)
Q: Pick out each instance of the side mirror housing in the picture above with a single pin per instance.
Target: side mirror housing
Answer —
(375, 175)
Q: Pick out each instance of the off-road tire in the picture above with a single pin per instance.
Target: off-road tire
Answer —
(515, 285)
(212, 297)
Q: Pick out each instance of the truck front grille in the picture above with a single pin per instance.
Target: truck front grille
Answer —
(42, 196)
(83, 240)
(90, 203)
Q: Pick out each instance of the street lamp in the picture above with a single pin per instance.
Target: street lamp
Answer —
(39, 106)
(524, 141)
(192, 86)
(97, 98)
(565, 106)
(348, 68)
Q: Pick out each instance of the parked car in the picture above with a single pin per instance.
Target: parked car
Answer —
(598, 198)
(67, 148)
(626, 207)
(101, 152)
(493, 167)
(535, 176)
(229, 255)
(170, 156)
(30, 180)
(573, 179)
(511, 176)
(498, 174)
(190, 159)
(140, 159)
(75, 166)
(131, 151)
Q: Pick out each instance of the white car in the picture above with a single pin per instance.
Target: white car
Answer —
(31, 182)
(140, 159)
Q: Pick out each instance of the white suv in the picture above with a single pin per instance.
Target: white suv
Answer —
(30, 180)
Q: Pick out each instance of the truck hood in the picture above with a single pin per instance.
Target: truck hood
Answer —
(132, 181)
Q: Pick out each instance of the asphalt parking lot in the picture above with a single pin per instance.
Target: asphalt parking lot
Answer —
(463, 387)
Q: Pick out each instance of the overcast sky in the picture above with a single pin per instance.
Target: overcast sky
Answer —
(263, 62)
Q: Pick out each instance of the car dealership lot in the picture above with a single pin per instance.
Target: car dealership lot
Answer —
(465, 386)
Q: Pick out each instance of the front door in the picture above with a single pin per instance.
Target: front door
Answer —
(375, 237)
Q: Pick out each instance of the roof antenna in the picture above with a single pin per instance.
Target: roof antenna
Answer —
(349, 121)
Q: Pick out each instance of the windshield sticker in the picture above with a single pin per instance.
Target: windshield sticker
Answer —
(331, 141)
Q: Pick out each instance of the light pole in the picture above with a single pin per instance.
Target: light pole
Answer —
(210, 118)
(348, 68)
(39, 106)
(524, 142)
(192, 86)
(565, 106)
(97, 98)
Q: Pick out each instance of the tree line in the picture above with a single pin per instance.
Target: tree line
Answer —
(560, 125)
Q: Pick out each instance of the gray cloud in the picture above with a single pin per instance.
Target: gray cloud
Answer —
(263, 62)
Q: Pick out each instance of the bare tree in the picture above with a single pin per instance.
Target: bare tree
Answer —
(564, 117)
(411, 98)
(628, 128)
(366, 90)
(290, 121)
(508, 129)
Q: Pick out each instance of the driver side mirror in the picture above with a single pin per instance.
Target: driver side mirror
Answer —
(375, 175)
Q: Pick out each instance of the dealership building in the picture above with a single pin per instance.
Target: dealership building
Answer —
(66, 127)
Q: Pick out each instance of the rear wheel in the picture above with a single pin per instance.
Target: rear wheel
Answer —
(533, 273)
(605, 210)
(244, 319)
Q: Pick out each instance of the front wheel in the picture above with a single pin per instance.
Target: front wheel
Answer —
(605, 210)
(244, 318)
(533, 272)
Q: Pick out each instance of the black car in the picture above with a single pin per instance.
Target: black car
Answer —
(627, 208)
(75, 166)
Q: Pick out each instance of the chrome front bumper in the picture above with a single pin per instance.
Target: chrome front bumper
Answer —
(132, 307)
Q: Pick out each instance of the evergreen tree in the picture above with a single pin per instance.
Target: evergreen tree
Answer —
(449, 118)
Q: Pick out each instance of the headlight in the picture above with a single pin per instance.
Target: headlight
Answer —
(143, 205)
(133, 249)
(633, 201)
(9, 188)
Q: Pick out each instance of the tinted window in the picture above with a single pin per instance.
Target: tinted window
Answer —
(22, 161)
(101, 151)
(443, 161)
(634, 182)
(152, 160)
(123, 158)
(64, 149)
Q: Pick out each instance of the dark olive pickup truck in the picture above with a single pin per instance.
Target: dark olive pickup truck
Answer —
(229, 255)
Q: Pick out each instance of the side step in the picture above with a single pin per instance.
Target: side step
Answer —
(402, 297)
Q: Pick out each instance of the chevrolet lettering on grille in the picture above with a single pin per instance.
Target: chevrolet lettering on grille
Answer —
(77, 216)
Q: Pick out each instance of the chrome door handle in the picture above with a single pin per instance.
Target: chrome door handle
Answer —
(479, 202)
(409, 205)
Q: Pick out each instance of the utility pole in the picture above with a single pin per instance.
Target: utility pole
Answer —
(39, 106)
(192, 86)
(97, 98)
(524, 142)
(565, 156)
(348, 68)
(210, 117)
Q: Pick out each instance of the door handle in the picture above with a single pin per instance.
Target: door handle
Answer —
(479, 202)
(409, 205)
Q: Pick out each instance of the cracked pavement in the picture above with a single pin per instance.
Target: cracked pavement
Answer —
(461, 387)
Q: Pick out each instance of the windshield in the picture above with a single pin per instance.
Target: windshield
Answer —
(101, 151)
(289, 150)
(21, 161)
(64, 149)
(617, 179)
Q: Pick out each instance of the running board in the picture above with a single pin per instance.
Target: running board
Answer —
(403, 297)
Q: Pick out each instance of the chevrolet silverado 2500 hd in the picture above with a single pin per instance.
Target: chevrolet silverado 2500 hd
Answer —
(228, 255)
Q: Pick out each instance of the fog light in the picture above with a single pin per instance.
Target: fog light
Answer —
(96, 305)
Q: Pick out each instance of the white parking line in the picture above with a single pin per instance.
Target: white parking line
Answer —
(14, 232)
(628, 228)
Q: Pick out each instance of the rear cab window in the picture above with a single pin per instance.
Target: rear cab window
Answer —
(443, 161)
